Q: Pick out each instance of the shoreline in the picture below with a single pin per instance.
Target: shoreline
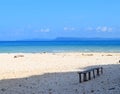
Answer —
(51, 52)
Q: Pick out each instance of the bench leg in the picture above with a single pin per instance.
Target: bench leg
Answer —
(80, 78)
(98, 72)
(84, 76)
(93, 73)
(101, 70)
(89, 75)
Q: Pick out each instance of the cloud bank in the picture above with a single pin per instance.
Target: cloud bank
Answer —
(100, 29)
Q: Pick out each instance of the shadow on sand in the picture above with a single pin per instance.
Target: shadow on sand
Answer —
(65, 83)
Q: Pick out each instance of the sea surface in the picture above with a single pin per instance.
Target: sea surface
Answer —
(59, 46)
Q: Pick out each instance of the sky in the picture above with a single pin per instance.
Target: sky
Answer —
(48, 19)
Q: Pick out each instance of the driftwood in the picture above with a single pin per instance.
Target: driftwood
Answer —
(16, 56)
(89, 74)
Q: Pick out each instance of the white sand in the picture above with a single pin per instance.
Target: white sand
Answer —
(56, 73)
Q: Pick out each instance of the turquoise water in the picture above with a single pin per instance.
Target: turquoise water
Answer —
(59, 46)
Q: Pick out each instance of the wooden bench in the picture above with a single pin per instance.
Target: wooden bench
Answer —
(89, 74)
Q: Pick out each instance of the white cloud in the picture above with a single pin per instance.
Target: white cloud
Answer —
(104, 29)
(98, 28)
(43, 30)
(110, 29)
(90, 29)
(69, 28)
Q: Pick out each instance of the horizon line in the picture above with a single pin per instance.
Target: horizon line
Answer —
(65, 39)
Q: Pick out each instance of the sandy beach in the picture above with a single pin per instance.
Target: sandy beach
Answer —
(56, 73)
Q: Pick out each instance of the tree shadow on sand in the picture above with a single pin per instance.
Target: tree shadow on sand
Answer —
(65, 83)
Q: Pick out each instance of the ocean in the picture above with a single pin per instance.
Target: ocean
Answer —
(59, 46)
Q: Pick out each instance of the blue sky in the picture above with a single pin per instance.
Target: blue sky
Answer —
(48, 19)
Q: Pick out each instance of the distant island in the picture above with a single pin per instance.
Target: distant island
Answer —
(82, 39)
